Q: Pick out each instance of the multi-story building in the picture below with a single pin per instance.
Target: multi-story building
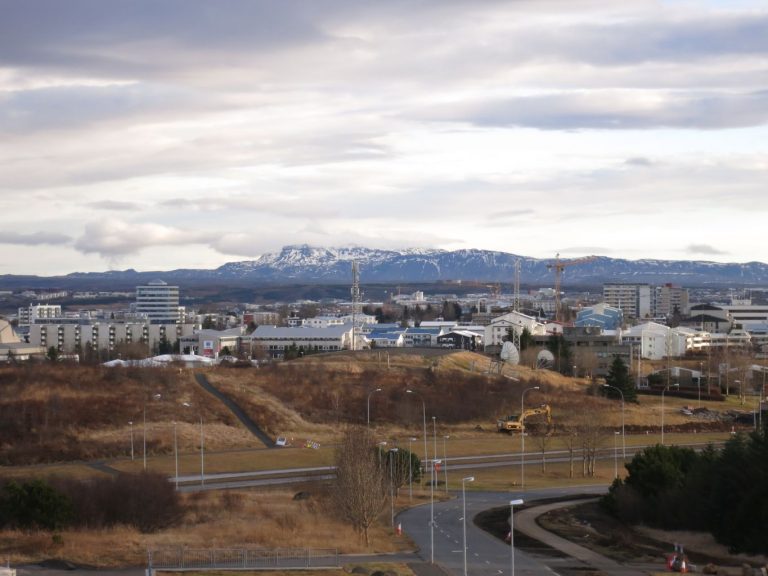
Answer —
(159, 303)
(634, 300)
(72, 336)
(497, 330)
(28, 315)
(670, 300)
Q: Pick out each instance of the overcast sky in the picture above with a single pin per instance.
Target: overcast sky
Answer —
(159, 134)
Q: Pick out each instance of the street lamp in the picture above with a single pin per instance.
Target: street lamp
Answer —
(615, 456)
(368, 404)
(202, 453)
(176, 454)
(434, 438)
(424, 424)
(464, 515)
(445, 462)
(433, 476)
(662, 410)
(391, 458)
(522, 435)
(130, 422)
(512, 504)
(410, 468)
(701, 372)
(623, 437)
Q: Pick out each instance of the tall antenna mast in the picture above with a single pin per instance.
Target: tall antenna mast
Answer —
(355, 300)
(516, 297)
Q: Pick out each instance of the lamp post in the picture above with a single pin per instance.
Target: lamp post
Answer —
(176, 454)
(512, 504)
(623, 437)
(615, 456)
(662, 410)
(701, 373)
(434, 438)
(368, 406)
(433, 475)
(144, 438)
(464, 515)
(202, 453)
(445, 462)
(424, 425)
(130, 422)
(432, 486)
(522, 436)
(410, 468)
(391, 458)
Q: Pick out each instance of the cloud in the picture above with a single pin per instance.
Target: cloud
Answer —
(113, 238)
(33, 239)
(638, 161)
(613, 110)
(116, 205)
(65, 107)
(704, 249)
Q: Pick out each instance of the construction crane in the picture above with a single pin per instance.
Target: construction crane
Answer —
(558, 266)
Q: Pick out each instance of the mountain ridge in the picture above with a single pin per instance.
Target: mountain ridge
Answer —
(325, 265)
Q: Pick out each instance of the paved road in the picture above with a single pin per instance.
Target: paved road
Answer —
(487, 555)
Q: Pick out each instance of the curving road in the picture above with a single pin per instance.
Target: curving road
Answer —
(486, 555)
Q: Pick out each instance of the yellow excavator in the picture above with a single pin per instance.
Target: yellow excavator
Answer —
(516, 423)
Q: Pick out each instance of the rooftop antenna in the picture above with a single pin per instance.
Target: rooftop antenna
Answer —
(355, 300)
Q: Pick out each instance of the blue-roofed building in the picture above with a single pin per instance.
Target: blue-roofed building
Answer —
(601, 316)
(386, 339)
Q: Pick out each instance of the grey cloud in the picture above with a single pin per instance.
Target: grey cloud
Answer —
(75, 106)
(638, 161)
(615, 110)
(125, 34)
(111, 238)
(704, 249)
(116, 205)
(33, 239)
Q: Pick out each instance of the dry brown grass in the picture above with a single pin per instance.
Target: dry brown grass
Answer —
(270, 519)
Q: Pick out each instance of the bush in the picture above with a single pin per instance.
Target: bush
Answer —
(33, 505)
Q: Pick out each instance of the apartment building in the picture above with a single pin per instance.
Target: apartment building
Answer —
(670, 300)
(634, 300)
(73, 336)
(27, 315)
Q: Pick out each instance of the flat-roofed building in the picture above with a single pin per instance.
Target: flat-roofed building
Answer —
(275, 340)
(159, 303)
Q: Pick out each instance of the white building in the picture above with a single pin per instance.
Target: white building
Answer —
(159, 303)
(275, 340)
(497, 330)
(75, 336)
(656, 341)
(28, 315)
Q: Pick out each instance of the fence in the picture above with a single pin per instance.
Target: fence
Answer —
(181, 559)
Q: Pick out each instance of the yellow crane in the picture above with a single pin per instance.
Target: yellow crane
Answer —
(558, 266)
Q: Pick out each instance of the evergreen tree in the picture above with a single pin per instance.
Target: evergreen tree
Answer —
(618, 376)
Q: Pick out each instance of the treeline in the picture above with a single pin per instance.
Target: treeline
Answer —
(146, 501)
(724, 492)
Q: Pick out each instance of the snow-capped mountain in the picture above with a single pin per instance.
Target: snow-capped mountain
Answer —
(311, 264)
(307, 264)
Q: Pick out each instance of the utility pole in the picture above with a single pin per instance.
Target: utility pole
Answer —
(355, 300)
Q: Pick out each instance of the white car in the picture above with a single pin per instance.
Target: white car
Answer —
(281, 441)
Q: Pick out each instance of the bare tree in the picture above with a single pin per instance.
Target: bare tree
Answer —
(542, 440)
(590, 431)
(360, 491)
(570, 440)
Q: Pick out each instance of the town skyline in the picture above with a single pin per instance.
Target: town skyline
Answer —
(164, 135)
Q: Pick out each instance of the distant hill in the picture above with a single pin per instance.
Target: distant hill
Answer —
(308, 265)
